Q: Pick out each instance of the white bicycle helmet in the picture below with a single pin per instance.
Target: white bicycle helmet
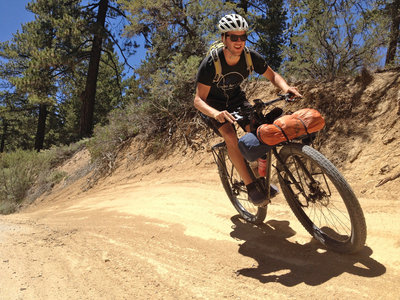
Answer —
(232, 22)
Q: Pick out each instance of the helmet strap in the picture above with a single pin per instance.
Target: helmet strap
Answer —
(223, 38)
(225, 47)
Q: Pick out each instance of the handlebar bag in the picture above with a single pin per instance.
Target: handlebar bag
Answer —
(288, 127)
(251, 148)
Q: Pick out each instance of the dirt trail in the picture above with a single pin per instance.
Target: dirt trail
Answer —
(173, 236)
(166, 230)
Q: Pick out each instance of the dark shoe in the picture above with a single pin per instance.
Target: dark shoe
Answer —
(257, 198)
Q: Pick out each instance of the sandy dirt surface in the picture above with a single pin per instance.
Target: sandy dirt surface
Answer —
(166, 230)
(173, 234)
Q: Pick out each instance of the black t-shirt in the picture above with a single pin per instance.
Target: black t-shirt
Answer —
(227, 92)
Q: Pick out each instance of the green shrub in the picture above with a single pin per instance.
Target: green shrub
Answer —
(106, 139)
(165, 111)
(21, 169)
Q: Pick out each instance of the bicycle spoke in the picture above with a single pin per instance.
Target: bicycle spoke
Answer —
(317, 200)
(237, 191)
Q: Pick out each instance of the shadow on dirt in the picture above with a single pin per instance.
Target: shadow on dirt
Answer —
(279, 260)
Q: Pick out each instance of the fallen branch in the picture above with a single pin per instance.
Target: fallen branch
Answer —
(387, 179)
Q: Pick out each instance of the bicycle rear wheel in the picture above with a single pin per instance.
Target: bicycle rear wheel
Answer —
(235, 187)
(321, 198)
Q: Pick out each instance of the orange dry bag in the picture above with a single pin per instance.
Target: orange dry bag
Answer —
(289, 127)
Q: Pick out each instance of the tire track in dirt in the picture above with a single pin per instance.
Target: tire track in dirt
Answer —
(120, 243)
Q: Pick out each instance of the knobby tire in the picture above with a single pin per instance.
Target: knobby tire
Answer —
(236, 189)
(332, 213)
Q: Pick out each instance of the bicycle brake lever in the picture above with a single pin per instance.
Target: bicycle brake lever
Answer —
(237, 116)
(289, 97)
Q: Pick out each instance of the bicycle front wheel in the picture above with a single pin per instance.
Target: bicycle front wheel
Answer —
(321, 199)
(236, 189)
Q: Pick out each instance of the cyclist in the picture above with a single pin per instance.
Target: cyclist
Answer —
(217, 99)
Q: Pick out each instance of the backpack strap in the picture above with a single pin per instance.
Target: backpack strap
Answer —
(218, 67)
(249, 61)
(217, 64)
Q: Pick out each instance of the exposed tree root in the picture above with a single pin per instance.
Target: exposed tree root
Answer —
(387, 179)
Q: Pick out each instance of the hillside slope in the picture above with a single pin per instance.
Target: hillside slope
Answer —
(362, 134)
(164, 229)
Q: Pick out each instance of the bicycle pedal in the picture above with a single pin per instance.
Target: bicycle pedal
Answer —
(273, 190)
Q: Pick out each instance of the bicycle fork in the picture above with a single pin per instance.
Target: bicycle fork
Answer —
(290, 175)
(268, 175)
(264, 182)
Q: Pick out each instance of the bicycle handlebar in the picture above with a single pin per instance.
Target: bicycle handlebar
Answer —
(259, 104)
(282, 97)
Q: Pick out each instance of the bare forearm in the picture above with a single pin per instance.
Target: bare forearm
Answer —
(202, 106)
(279, 82)
(220, 116)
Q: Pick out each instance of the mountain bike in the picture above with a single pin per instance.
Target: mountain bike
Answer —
(315, 190)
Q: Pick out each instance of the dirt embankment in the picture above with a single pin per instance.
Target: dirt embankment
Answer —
(165, 229)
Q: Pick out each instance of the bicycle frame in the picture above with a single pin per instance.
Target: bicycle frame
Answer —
(256, 112)
(268, 175)
(287, 171)
(316, 192)
(267, 179)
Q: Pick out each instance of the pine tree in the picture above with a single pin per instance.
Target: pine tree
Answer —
(48, 61)
(102, 41)
(394, 36)
(89, 94)
(39, 55)
(330, 39)
(177, 35)
(18, 118)
(270, 24)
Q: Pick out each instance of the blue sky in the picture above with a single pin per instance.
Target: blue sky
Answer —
(13, 14)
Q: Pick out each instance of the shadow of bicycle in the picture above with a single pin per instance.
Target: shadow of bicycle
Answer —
(280, 260)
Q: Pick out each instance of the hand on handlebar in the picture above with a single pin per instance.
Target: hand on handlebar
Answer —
(223, 116)
(294, 93)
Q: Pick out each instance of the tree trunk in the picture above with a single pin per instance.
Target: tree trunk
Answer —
(244, 4)
(394, 32)
(88, 96)
(3, 136)
(41, 127)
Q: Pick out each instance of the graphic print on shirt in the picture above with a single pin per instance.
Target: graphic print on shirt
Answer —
(230, 81)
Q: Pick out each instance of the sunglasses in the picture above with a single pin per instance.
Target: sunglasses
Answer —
(235, 38)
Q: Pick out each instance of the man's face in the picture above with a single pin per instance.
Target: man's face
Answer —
(235, 47)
